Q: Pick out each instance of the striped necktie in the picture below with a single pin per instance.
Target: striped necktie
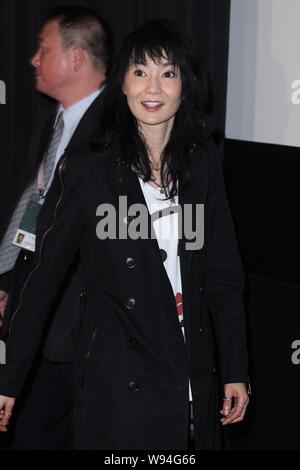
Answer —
(8, 251)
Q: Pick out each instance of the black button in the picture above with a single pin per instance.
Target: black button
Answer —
(130, 262)
(201, 290)
(133, 387)
(121, 163)
(200, 330)
(82, 293)
(133, 343)
(163, 255)
(130, 303)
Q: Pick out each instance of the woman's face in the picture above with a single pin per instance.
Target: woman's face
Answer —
(153, 92)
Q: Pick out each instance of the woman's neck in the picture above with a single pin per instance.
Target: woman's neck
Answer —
(157, 137)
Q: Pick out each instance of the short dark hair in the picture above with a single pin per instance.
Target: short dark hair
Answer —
(84, 27)
(158, 39)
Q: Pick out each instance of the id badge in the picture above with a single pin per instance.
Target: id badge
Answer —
(25, 236)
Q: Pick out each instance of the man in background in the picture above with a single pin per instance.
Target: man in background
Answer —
(71, 63)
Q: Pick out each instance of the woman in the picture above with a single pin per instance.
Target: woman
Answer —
(163, 285)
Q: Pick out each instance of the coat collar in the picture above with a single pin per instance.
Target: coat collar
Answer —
(87, 126)
(126, 183)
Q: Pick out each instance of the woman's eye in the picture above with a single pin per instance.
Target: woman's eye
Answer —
(139, 73)
(169, 74)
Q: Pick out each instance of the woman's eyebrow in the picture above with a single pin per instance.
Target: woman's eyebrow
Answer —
(165, 64)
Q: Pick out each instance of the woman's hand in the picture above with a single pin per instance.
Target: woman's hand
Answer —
(6, 407)
(235, 403)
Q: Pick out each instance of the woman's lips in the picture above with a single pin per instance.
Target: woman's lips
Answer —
(152, 105)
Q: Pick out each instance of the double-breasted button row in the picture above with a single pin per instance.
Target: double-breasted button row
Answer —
(130, 263)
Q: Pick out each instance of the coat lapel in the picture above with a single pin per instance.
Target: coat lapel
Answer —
(127, 184)
(196, 193)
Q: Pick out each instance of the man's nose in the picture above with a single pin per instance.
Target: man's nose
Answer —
(35, 59)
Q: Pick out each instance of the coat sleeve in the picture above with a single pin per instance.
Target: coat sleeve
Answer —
(61, 228)
(224, 280)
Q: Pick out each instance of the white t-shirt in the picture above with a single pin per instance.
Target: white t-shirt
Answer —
(166, 232)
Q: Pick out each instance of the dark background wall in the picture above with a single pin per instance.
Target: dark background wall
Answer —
(264, 194)
(263, 189)
(206, 20)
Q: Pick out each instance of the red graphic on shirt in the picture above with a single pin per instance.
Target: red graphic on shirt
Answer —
(179, 305)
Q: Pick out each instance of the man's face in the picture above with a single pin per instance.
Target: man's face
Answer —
(53, 66)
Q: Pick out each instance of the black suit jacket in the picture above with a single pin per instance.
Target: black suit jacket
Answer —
(134, 365)
(58, 346)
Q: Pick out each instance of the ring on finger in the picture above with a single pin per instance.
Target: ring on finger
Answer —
(243, 407)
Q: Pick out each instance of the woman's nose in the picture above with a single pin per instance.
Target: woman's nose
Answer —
(154, 85)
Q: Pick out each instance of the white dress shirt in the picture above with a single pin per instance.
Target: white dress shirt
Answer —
(71, 116)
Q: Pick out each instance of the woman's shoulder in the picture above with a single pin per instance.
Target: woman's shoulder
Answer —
(205, 152)
(204, 148)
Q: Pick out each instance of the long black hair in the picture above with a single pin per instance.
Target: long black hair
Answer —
(157, 39)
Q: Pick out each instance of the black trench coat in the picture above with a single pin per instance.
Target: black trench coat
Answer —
(133, 363)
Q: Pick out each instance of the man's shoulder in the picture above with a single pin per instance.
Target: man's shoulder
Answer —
(86, 156)
(91, 148)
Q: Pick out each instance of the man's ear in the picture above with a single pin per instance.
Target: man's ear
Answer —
(78, 57)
